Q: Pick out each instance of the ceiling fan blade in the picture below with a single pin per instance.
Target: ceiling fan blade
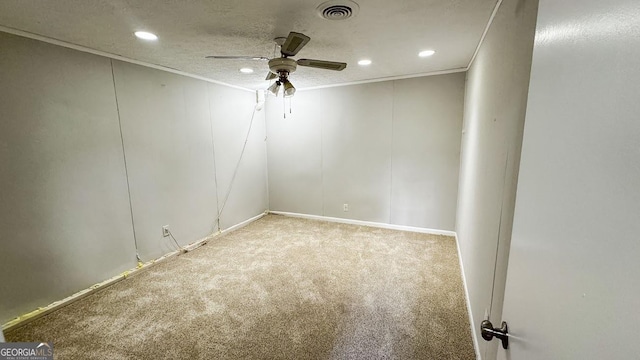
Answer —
(322, 64)
(271, 76)
(294, 43)
(237, 57)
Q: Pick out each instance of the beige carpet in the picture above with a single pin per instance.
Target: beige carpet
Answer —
(280, 288)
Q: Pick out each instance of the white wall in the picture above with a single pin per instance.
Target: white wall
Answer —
(495, 104)
(388, 149)
(65, 209)
(574, 276)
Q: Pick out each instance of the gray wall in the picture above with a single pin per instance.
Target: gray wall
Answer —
(172, 125)
(495, 105)
(388, 149)
(573, 289)
(64, 206)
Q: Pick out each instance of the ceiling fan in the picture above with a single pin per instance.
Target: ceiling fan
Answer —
(281, 67)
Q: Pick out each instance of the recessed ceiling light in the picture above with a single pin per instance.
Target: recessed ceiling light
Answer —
(364, 62)
(145, 35)
(246, 70)
(426, 53)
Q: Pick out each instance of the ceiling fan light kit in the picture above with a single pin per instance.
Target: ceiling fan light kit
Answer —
(289, 90)
(274, 88)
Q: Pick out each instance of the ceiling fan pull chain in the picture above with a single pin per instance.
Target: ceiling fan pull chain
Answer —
(284, 106)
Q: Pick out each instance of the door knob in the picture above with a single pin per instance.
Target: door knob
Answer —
(489, 332)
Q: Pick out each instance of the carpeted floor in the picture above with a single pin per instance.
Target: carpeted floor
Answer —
(280, 288)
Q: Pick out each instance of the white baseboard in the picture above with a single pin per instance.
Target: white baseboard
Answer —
(244, 223)
(474, 333)
(367, 223)
(40, 312)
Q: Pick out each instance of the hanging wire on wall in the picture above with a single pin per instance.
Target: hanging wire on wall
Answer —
(233, 178)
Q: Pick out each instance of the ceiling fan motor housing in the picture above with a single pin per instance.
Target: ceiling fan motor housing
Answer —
(280, 65)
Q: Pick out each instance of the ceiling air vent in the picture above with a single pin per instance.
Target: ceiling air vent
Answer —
(338, 10)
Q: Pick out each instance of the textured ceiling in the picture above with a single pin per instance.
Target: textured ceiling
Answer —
(390, 33)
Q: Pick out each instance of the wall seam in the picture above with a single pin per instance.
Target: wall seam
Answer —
(124, 155)
(388, 78)
(393, 109)
(213, 150)
(484, 34)
(81, 48)
(266, 153)
(322, 164)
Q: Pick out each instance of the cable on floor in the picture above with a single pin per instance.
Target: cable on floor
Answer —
(176, 241)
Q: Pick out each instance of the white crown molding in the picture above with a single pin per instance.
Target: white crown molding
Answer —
(484, 34)
(389, 78)
(113, 56)
(85, 49)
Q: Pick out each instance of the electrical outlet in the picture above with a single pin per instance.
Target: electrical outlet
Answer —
(165, 231)
(345, 207)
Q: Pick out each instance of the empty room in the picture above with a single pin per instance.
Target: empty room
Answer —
(312, 179)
